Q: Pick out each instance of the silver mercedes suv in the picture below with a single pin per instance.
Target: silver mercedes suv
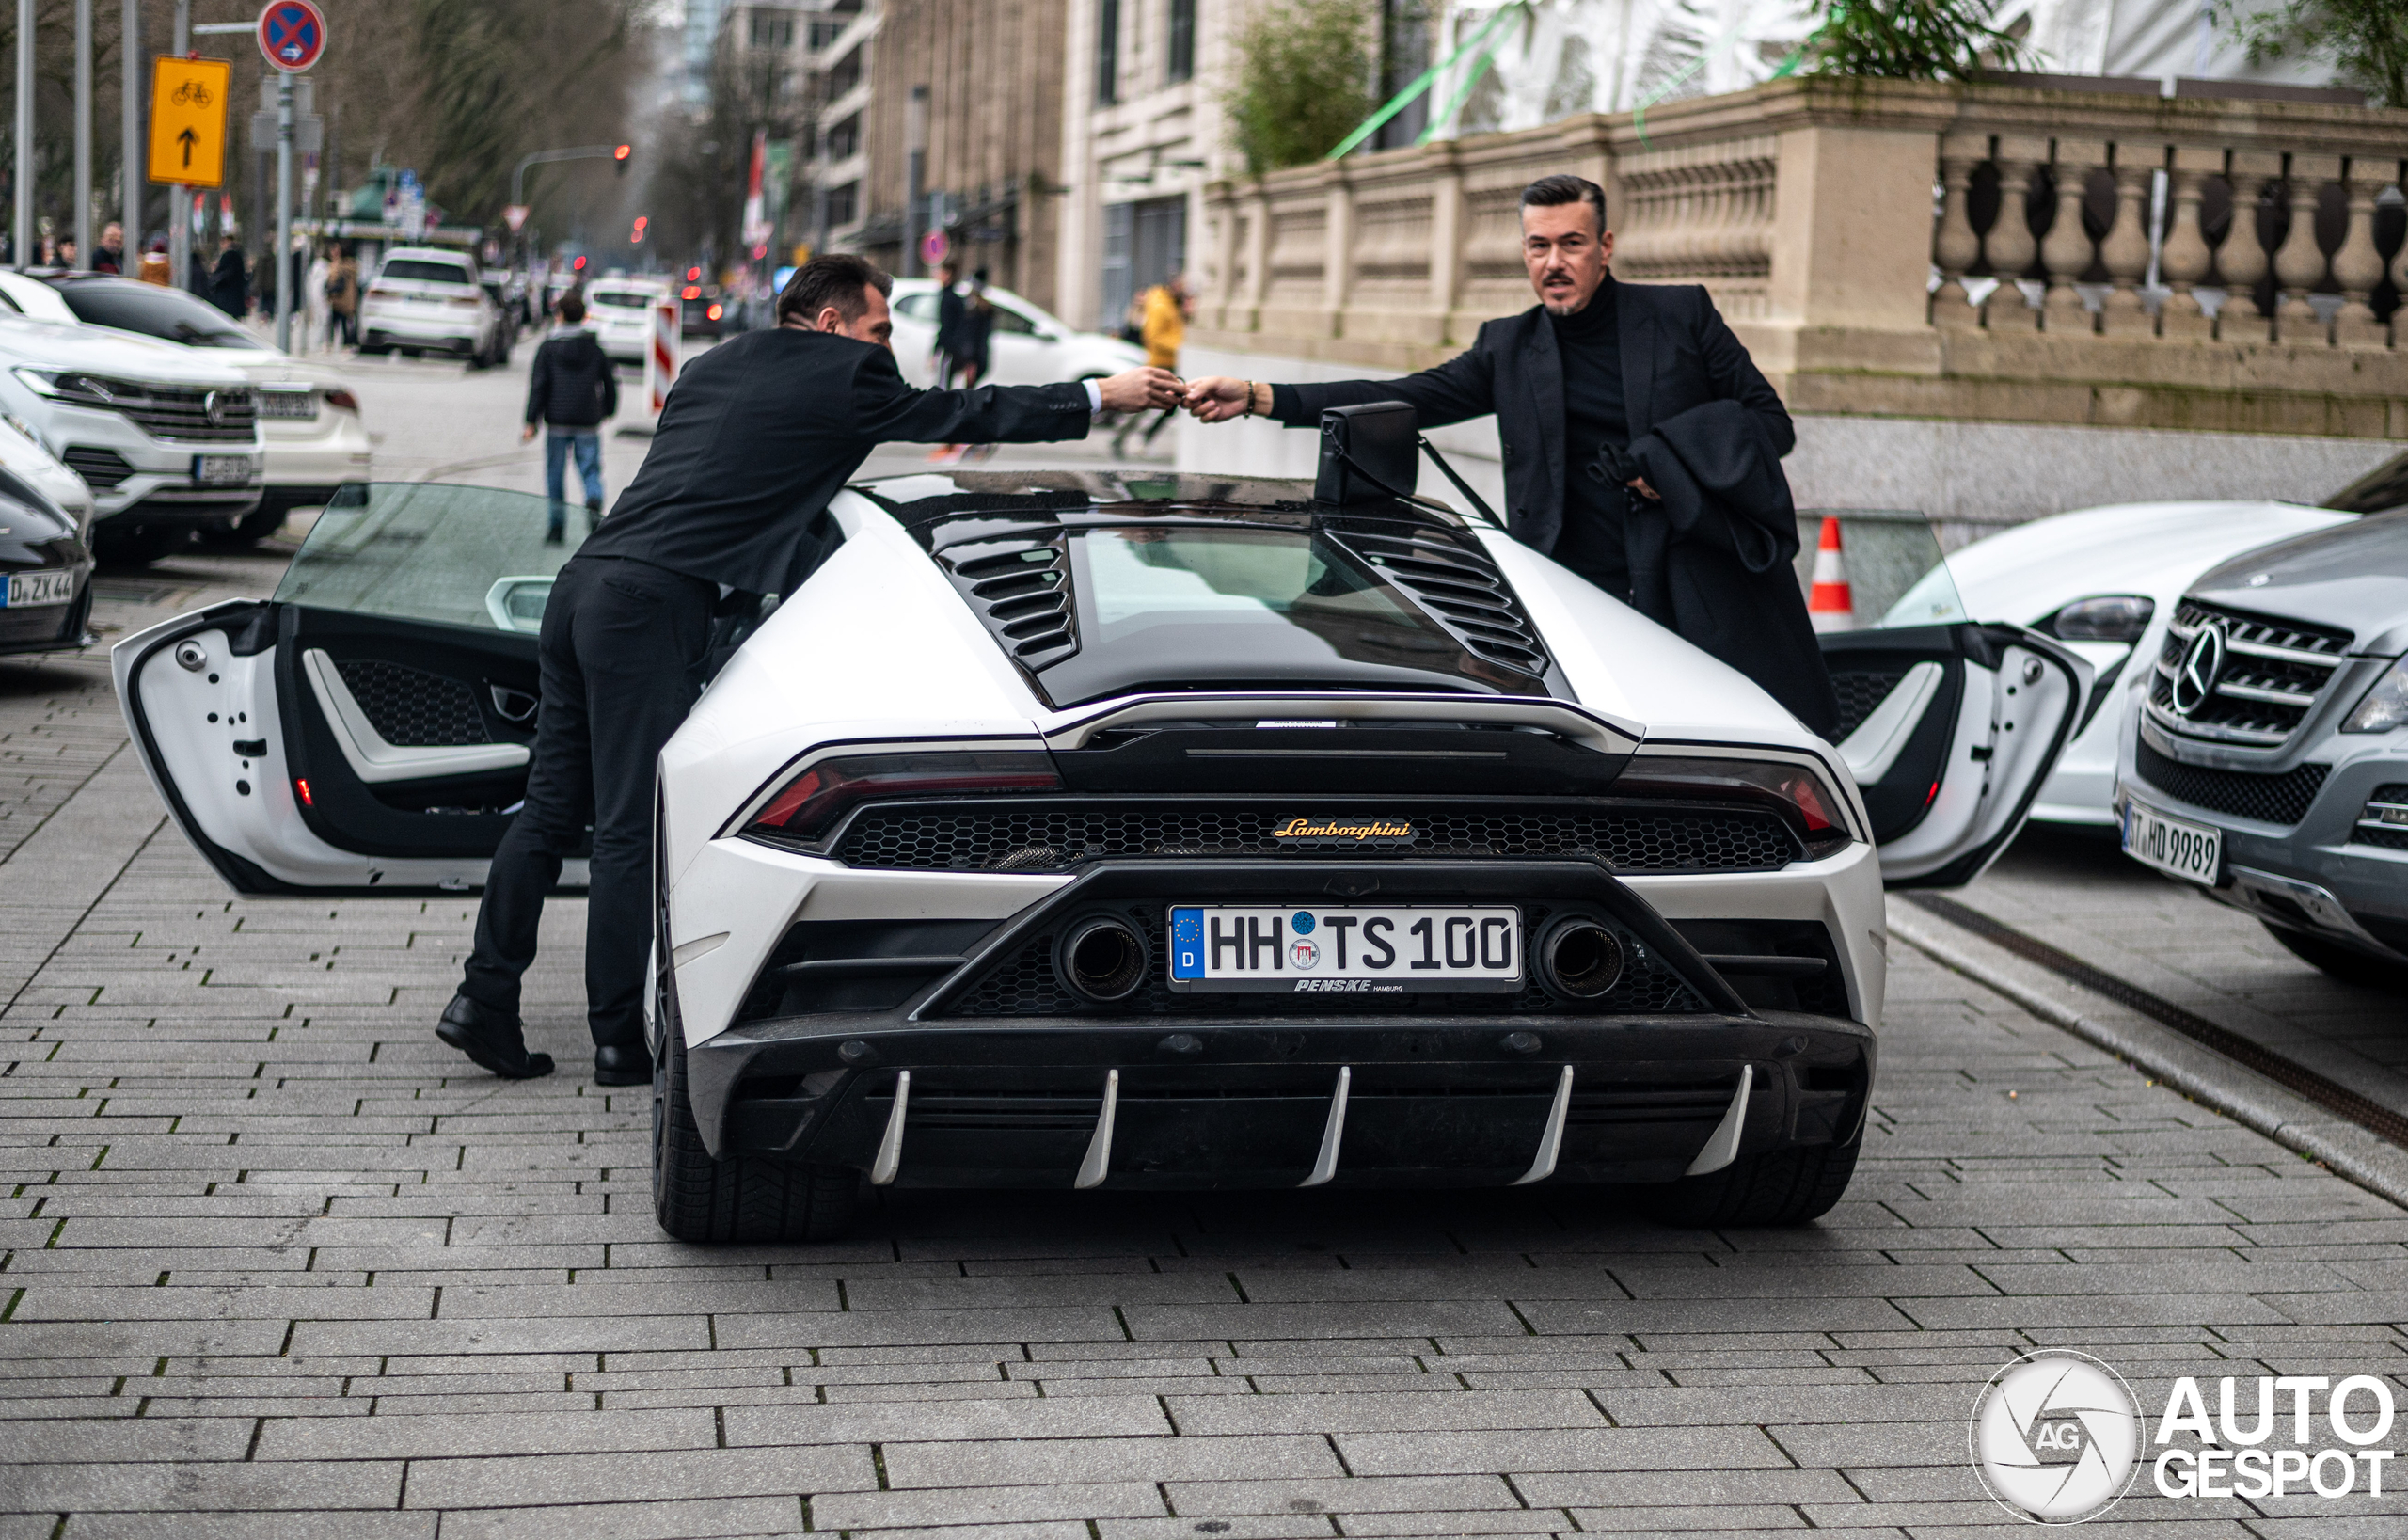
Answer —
(2269, 761)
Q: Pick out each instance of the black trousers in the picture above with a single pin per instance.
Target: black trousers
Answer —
(622, 653)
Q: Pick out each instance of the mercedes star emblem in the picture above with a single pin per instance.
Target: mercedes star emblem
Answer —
(2194, 680)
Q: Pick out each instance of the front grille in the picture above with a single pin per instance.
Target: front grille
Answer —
(1859, 692)
(2272, 672)
(1052, 834)
(2385, 819)
(190, 413)
(100, 468)
(2281, 799)
(1023, 984)
(412, 708)
(1458, 584)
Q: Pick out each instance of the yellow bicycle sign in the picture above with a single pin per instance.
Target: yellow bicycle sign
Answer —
(188, 121)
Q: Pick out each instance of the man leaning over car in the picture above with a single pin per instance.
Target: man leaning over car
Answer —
(759, 434)
(1642, 445)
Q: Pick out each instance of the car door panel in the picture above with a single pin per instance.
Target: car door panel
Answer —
(1952, 730)
(371, 727)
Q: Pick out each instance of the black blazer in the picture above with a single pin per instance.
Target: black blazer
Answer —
(764, 430)
(1676, 353)
(572, 382)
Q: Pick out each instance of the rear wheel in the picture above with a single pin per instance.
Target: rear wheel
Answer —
(2338, 961)
(744, 1197)
(1777, 1187)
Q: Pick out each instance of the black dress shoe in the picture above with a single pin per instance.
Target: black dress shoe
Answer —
(491, 1040)
(617, 1064)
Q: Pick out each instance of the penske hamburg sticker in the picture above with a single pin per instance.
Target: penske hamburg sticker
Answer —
(1347, 831)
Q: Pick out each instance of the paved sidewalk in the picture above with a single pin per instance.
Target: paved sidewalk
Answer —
(278, 1263)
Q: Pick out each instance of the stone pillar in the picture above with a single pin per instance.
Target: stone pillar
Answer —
(1851, 237)
(1338, 250)
(1955, 245)
(2242, 260)
(2357, 266)
(1445, 233)
(2125, 251)
(1258, 254)
(2298, 266)
(2066, 249)
(2184, 261)
(2010, 244)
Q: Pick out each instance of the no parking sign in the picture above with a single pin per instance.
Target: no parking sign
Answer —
(293, 33)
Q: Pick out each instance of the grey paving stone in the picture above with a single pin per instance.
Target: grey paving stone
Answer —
(1592, 1449)
(559, 1480)
(435, 1435)
(671, 1520)
(883, 1511)
(1049, 1461)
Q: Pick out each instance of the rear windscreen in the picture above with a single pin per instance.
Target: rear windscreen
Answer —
(1138, 580)
(423, 272)
(621, 300)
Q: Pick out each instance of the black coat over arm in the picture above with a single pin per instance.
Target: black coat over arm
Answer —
(1677, 355)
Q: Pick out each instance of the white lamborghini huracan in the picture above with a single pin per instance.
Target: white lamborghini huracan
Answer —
(1079, 831)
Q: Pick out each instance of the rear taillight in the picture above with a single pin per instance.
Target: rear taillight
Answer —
(382, 294)
(811, 804)
(344, 399)
(1800, 794)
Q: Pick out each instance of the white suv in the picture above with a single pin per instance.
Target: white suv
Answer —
(167, 440)
(618, 310)
(423, 300)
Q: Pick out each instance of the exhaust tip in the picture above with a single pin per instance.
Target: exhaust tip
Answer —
(1579, 958)
(1101, 959)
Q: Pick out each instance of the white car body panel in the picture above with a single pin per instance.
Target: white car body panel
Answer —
(424, 313)
(1053, 350)
(2158, 549)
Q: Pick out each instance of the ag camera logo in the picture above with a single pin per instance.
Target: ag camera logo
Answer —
(2056, 1437)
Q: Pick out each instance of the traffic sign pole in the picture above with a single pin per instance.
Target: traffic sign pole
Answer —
(293, 34)
(24, 247)
(179, 196)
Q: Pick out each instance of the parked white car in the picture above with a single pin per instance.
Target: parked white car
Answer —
(1028, 347)
(2105, 583)
(1138, 830)
(423, 300)
(309, 418)
(167, 438)
(619, 311)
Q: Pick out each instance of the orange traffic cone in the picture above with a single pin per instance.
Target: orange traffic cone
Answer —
(1831, 607)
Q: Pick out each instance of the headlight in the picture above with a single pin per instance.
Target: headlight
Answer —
(2102, 617)
(2385, 705)
(67, 384)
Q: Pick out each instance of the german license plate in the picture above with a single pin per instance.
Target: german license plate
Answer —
(225, 469)
(32, 590)
(2187, 850)
(1346, 949)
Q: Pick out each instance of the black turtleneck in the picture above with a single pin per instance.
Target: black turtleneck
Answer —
(1590, 344)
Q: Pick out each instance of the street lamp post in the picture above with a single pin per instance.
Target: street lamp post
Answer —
(26, 133)
(82, 223)
(546, 157)
(130, 136)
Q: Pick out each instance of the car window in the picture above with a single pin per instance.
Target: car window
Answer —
(423, 272)
(918, 307)
(1010, 321)
(621, 300)
(466, 556)
(154, 312)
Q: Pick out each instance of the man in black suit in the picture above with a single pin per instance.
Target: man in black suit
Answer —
(1596, 368)
(758, 435)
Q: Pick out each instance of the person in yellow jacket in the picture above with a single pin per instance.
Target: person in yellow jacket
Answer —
(1164, 329)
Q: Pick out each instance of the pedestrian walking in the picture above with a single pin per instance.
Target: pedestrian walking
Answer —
(953, 326)
(318, 312)
(1162, 330)
(1617, 404)
(978, 331)
(229, 283)
(110, 257)
(571, 388)
(342, 294)
(730, 504)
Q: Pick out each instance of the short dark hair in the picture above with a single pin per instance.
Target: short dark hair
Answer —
(571, 308)
(835, 278)
(1555, 191)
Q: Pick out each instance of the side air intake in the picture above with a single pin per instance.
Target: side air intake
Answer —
(1021, 591)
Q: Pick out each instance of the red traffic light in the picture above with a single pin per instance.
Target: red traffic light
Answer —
(693, 275)
(619, 157)
(578, 266)
(641, 221)
(692, 291)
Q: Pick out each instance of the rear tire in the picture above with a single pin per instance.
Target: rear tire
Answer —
(2338, 961)
(744, 1197)
(1777, 1187)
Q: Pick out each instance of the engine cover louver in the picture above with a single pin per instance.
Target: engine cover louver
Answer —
(1021, 590)
(1458, 585)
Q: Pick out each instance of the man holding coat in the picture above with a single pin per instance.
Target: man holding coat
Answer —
(1642, 445)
